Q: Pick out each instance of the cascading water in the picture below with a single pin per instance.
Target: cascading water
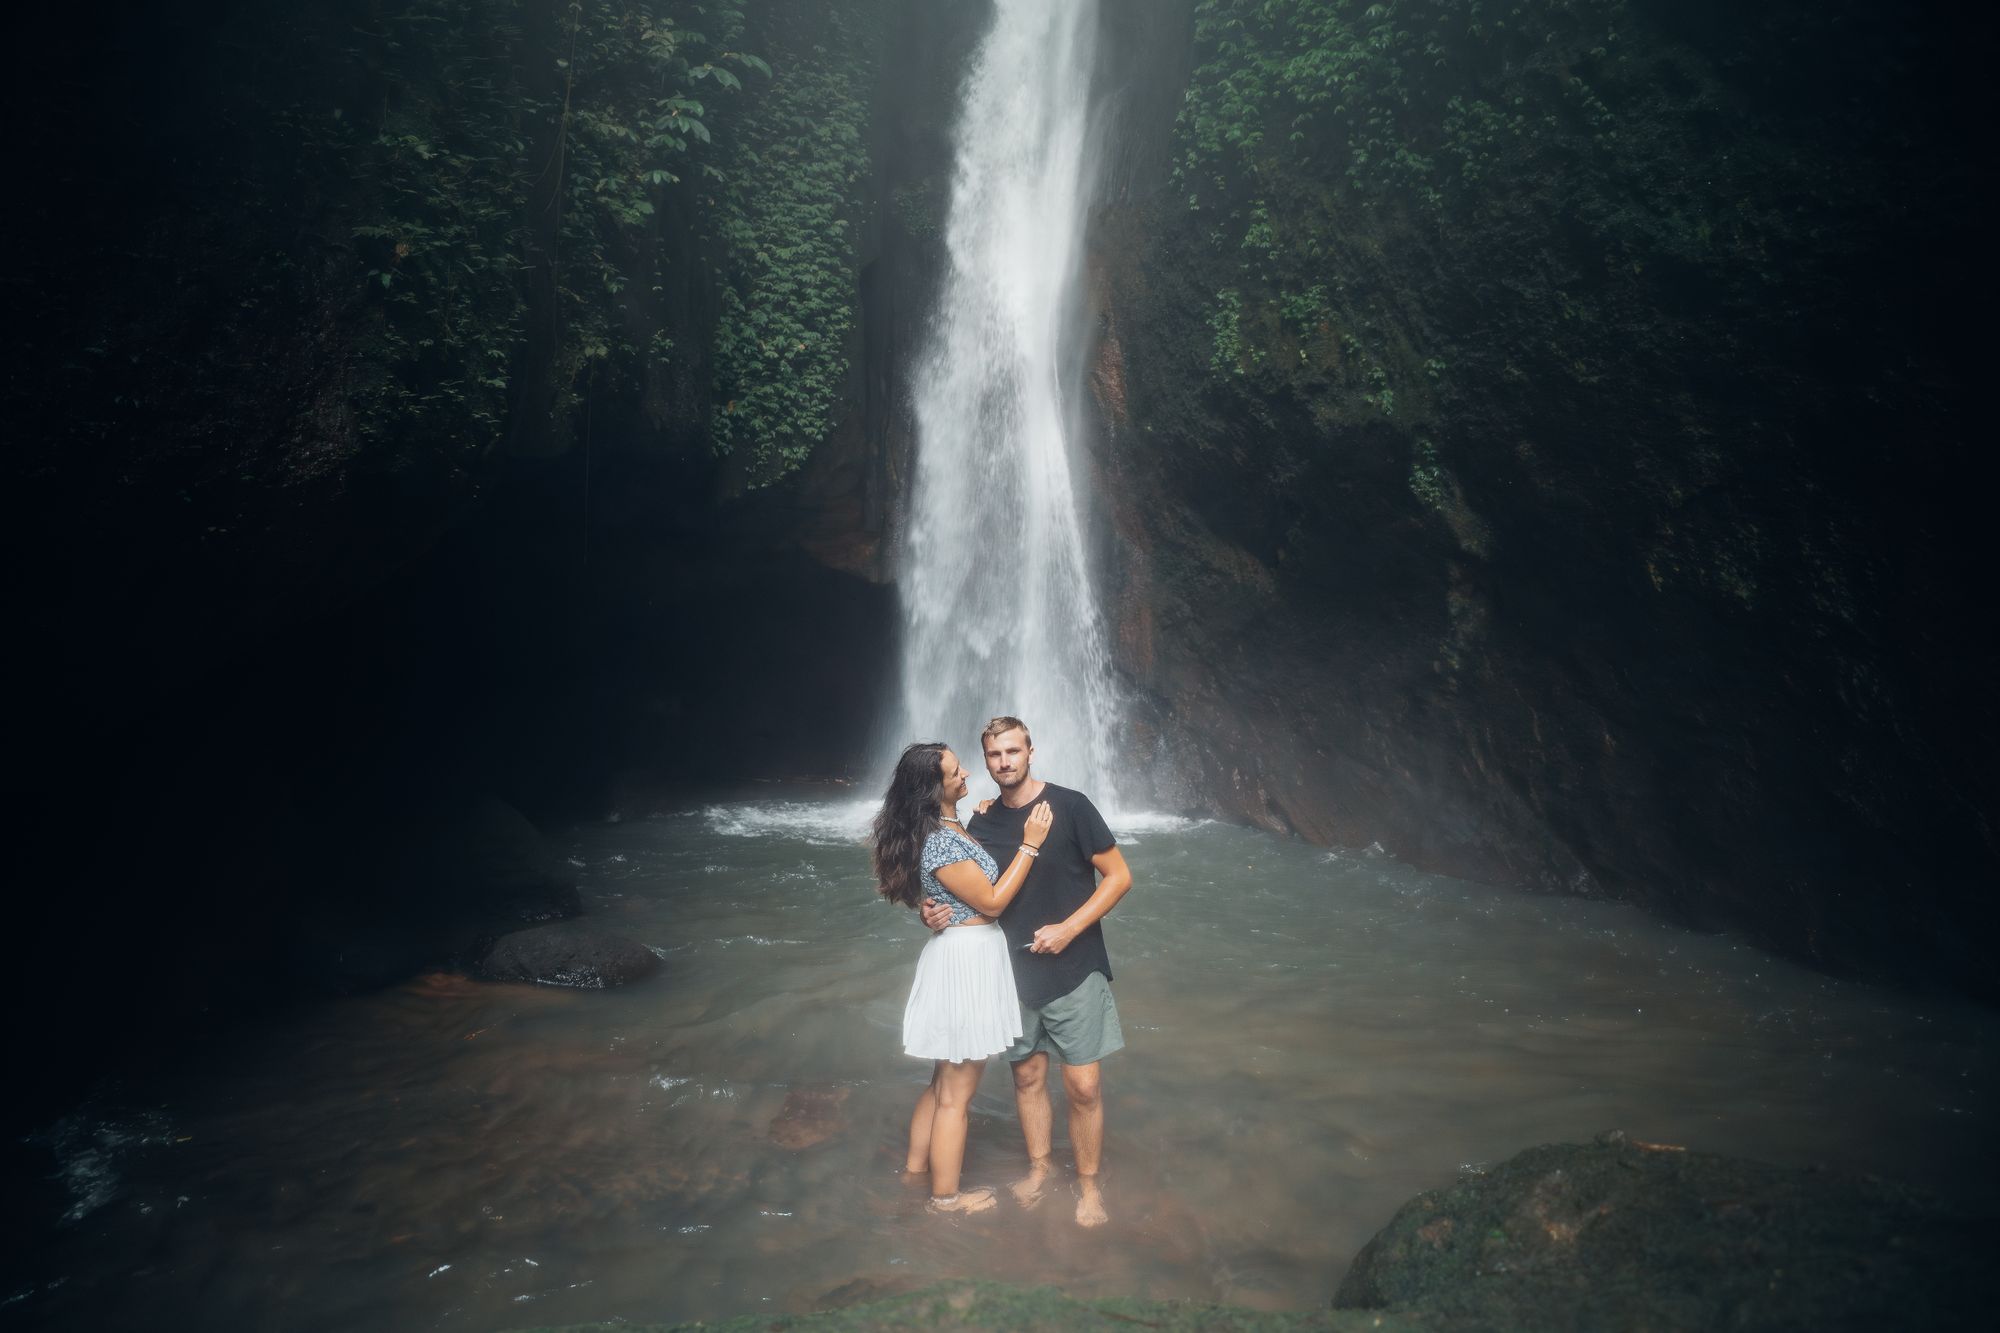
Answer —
(999, 612)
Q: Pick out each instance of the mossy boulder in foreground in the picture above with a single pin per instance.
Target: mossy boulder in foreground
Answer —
(1624, 1235)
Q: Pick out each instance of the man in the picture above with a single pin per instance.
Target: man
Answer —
(1060, 967)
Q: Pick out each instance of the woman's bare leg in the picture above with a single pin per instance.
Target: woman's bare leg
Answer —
(919, 1159)
(954, 1086)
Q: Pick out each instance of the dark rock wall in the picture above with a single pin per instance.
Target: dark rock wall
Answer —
(1606, 524)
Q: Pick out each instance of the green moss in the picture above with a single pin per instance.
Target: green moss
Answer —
(1225, 327)
(1426, 478)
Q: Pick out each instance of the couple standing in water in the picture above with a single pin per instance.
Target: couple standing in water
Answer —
(1016, 963)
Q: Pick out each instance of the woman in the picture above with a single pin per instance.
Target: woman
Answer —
(962, 1007)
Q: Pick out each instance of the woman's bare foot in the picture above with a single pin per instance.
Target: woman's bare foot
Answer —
(1090, 1208)
(965, 1201)
(1028, 1189)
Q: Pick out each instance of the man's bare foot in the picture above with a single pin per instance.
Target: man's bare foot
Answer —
(1090, 1208)
(966, 1201)
(1028, 1190)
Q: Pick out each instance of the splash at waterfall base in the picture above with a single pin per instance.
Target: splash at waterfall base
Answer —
(1615, 1234)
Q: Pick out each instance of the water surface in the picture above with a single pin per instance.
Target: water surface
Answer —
(1314, 1037)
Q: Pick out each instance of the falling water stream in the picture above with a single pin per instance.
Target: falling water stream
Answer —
(1000, 615)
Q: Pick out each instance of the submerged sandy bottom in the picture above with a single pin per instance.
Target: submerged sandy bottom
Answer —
(1313, 1038)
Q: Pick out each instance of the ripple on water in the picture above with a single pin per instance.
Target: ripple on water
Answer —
(91, 1151)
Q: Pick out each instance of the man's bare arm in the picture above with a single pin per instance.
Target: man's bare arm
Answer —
(1115, 880)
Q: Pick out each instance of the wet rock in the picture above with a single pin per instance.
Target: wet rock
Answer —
(492, 861)
(567, 955)
(810, 1116)
(1622, 1234)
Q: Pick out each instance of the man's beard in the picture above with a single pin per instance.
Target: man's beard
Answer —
(1011, 780)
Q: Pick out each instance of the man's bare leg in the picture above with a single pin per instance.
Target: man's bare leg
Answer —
(918, 1161)
(1086, 1136)
(1031, 1103)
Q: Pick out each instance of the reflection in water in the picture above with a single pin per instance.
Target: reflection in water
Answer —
(1313, 1038)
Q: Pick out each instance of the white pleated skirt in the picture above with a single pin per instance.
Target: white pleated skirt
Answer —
(962, 1004)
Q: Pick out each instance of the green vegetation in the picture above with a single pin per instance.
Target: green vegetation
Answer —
(1303, 114)
(534, 181)
(1226, 327)
(405, 236)
(514, 152)
(1557, 185)
(794, 188)
(1426, 481)
(1384, 97)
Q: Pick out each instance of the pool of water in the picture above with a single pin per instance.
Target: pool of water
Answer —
(1313, 1038)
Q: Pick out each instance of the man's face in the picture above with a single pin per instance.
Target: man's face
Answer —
(1007, 757)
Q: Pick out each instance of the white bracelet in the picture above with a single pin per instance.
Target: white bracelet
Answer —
(1030, 850)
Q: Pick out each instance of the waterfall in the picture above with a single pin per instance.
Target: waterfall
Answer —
(999, 615)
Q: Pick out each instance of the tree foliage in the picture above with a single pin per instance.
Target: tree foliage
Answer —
(513, 135)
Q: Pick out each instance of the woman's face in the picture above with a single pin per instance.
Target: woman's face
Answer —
(956, 784)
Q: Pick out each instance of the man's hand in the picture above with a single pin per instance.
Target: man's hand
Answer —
(936, 915)
(1053, 939)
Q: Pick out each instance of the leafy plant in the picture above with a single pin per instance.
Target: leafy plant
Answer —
(794, 191)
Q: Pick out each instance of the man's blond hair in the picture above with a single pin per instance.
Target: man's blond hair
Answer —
(1000, 724)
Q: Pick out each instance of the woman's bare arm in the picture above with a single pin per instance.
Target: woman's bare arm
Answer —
(967, 881)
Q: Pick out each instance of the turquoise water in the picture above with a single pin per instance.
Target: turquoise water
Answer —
(1314, 1037)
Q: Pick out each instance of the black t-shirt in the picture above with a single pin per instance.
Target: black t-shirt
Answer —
(1061, 880)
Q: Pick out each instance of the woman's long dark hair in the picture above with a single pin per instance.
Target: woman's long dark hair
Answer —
(908, 817)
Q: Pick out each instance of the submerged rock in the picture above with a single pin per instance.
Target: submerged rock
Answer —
(567, 955)
(810, 1116)
(1623, 1234)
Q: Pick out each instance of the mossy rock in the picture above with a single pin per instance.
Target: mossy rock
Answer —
(1619, 1234)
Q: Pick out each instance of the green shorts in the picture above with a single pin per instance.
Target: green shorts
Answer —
(1079, 1028)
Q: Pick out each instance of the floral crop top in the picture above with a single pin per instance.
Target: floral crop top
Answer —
(941, 849)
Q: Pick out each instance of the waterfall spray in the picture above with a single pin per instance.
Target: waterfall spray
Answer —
(999, 612)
